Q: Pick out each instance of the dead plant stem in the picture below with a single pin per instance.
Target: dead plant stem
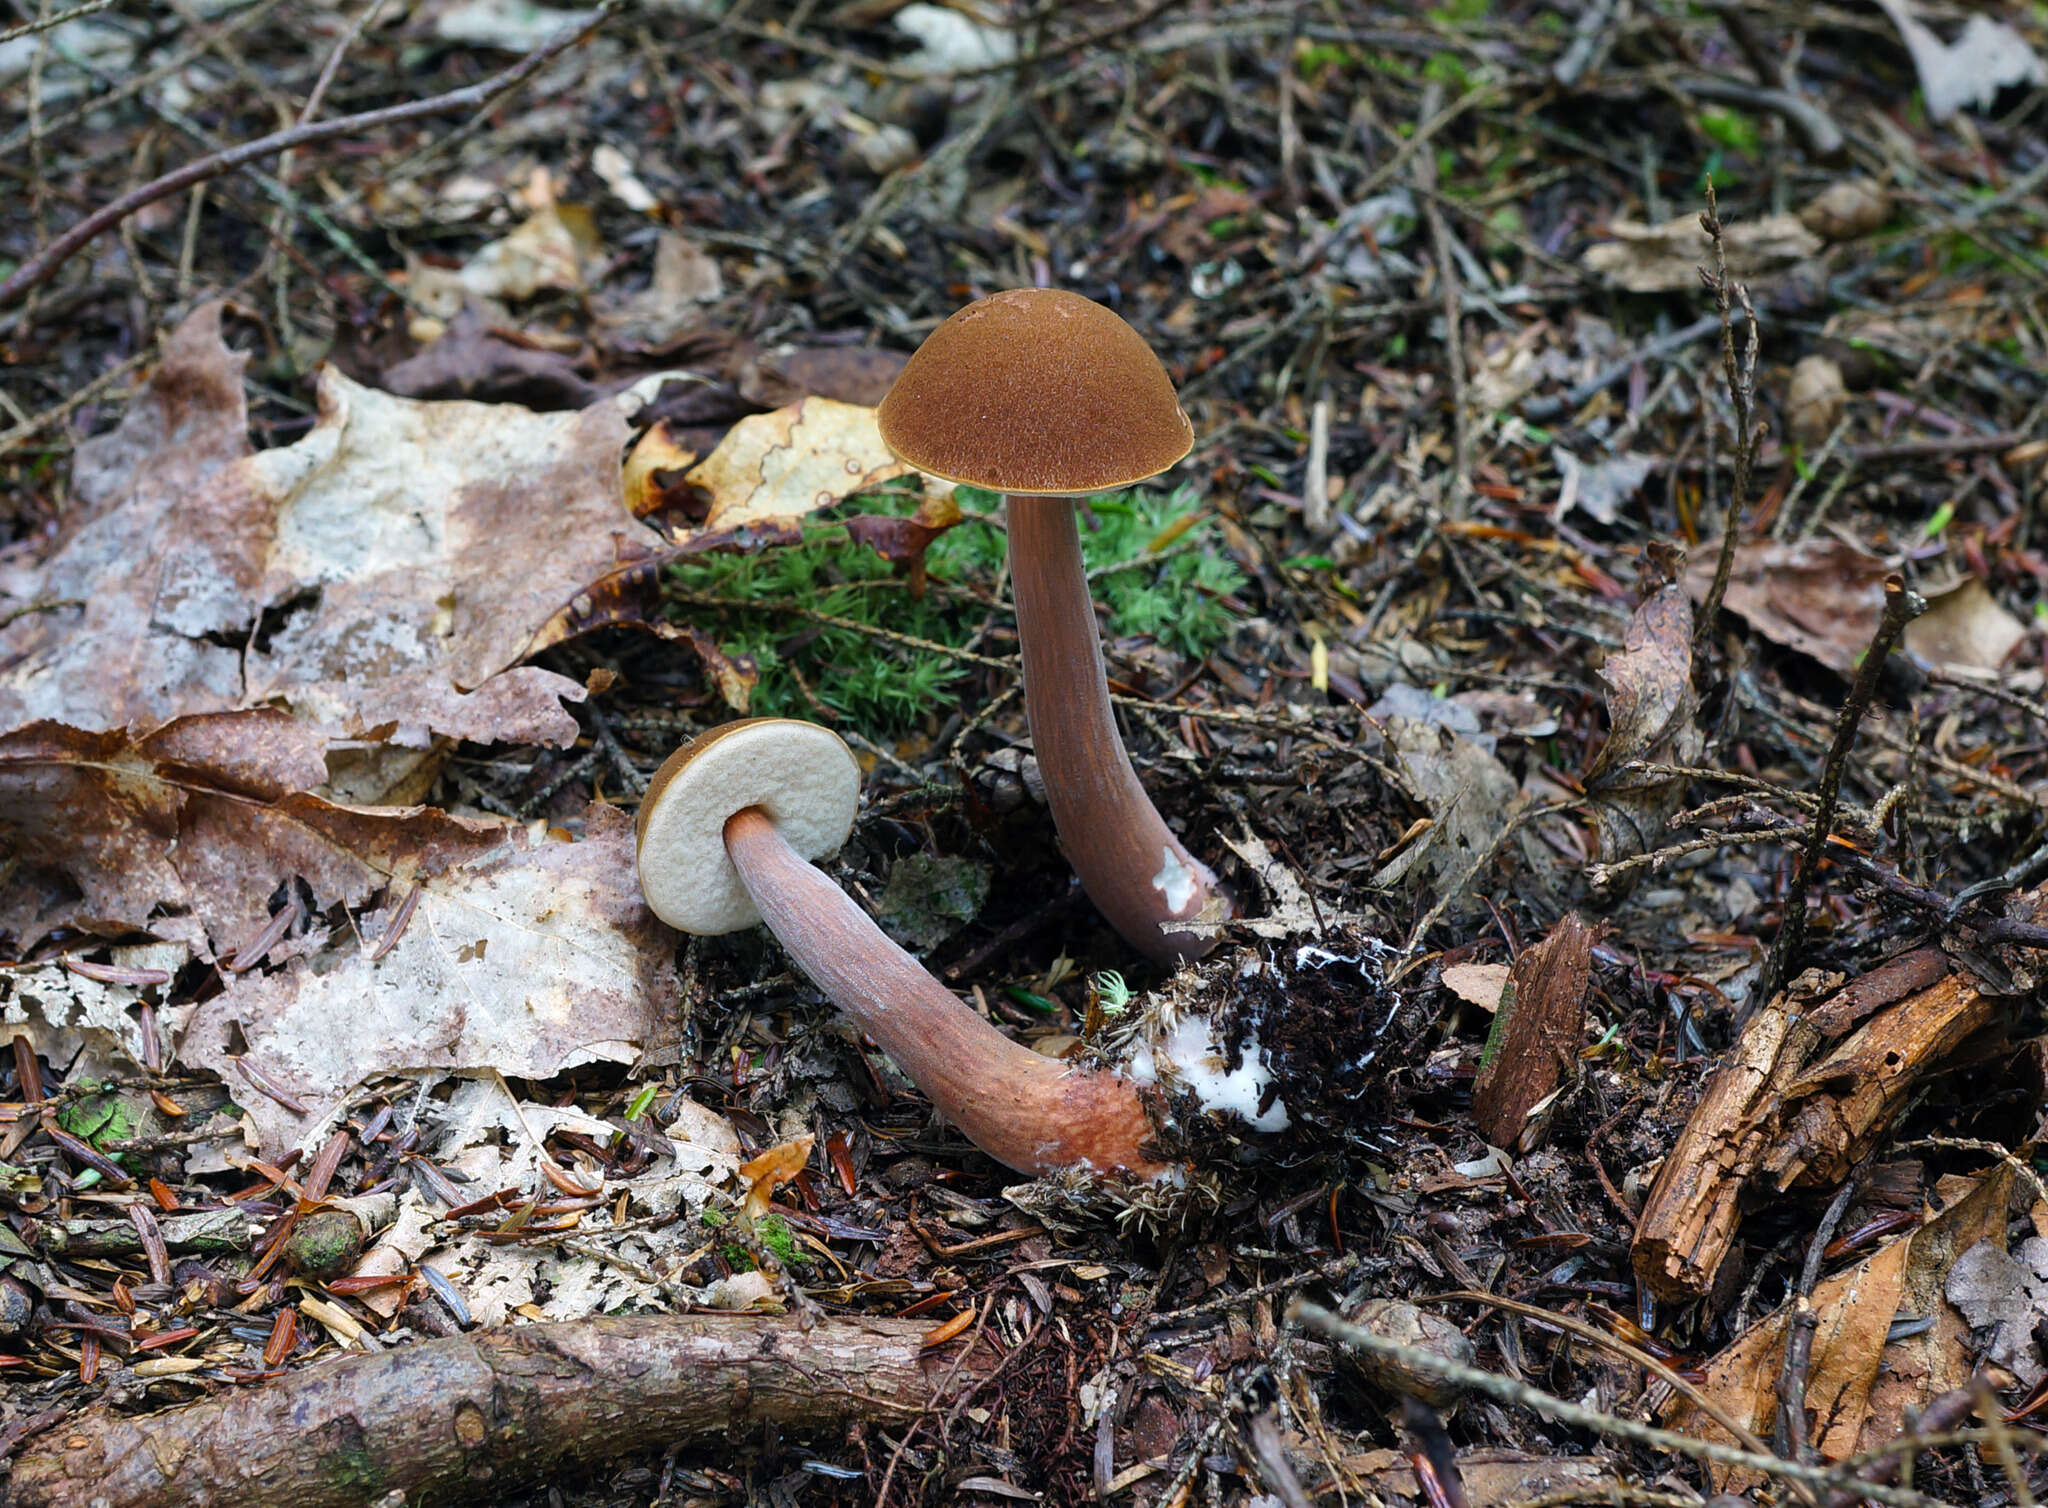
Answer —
(1447, 288)
(1741, 378)
(1507, 1390)
(1790, 1438)
(1901, 606)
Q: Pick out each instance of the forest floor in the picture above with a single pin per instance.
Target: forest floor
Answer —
(1431, 649)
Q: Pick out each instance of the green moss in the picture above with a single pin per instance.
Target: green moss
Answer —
(1734, 130)
(775, 1234)
(882, 687)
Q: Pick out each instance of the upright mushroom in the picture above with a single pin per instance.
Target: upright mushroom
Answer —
(1044, 396)
(726, 833)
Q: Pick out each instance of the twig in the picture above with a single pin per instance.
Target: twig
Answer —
(30, 28)
(1742, 394)
(1542, 410)
(38, 268)
(1516, 821)
(176, 63)
(1698, 1397)
(1938, 1418)
(1823, 136)
(287, 163)
(1506, 1390)
(1592, 35)
(14, 437)
(1901, 606)
(49, 605)
(1447, 287)
(1790, 1437)
(1315, 478)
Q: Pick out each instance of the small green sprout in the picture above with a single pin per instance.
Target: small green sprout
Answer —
(1111, 993)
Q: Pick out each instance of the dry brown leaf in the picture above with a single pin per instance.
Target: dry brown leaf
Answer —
(529, 958)
(772, 1169)
(847, 374)
(655, 469)
(794, 461)
(1650, 702)
(1666, 258)
(399, 561)
(478, 359)
(1855, 1308)
(1820, 596)
(1814, 399)
(903, 541)
(1965, 628)
(1479, 984)
(1918, 1368)
(186, 831)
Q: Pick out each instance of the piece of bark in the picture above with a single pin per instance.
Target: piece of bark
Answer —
(1688, 1222)
(1887, 984)
(475, 1415)
(1534, 1045)
(1838, 1107)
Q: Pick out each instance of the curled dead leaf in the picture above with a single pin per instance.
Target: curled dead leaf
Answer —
(1821, 596)
(655, 469)
(1666, 258)
(903, 541)
(1650, 705)
(1847, 209)
(736, 676)
(1814, 399)
(769, 1171)
(793, 461)
(186, 831)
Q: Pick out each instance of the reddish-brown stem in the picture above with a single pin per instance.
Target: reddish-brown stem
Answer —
(1031, 1112)
(1135, 870)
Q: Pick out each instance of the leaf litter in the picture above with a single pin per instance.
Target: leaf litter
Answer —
(1477, 584)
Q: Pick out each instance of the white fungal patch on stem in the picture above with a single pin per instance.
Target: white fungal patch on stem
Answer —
(1175, 880)
(1189, 1056)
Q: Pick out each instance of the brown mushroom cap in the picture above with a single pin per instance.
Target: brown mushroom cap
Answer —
(1036, 391)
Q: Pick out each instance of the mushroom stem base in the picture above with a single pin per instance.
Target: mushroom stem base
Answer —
(1137, 872)
(1031, 1112)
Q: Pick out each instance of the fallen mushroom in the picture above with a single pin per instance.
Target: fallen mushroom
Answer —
(727, 830)
(1044, 396)
(726, 834)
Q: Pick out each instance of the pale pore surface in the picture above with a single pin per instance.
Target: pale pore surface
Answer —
(802, 776)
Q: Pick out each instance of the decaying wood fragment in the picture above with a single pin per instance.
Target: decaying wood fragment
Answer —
(1536, 1036)
(472, 1415)
(1887, 984)
(1782, 1114)
(1838, 1106)
(1688, 1221)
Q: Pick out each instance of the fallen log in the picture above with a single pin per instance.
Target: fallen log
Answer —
(476, 1415)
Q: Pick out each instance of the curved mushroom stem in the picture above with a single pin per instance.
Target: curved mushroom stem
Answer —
(1024, 1109)
(1132, 866)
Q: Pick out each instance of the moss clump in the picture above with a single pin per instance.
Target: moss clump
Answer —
(882, 687)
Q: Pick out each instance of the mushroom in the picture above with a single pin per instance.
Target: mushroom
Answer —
(726, 833)
(1044, 396)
